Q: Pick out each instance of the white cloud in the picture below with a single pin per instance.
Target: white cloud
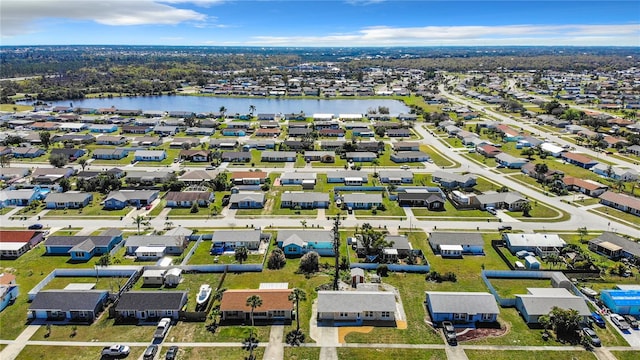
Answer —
(18, 16)
(623, 35)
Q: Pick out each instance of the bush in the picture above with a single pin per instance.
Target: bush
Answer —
(276, 259)
(382, 270)
(194, 208)
(309, 262)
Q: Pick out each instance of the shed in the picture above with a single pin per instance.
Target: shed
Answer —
(153, 277)
(451, 250)
(173, 277)
(559, 280)
(357, 276)
(532, 263)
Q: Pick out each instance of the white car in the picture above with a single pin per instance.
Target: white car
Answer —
(405, 167)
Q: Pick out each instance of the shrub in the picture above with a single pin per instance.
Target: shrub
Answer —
(382, 270)
(276, 259)
(309, 262)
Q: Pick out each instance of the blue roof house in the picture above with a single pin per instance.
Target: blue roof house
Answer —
(622, 301)
(299, 242)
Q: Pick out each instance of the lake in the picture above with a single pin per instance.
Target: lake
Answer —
(239, 105)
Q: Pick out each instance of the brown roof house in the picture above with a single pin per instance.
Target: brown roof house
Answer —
(275, 305)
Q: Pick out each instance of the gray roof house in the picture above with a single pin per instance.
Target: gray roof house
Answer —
(231, 239)
(453, 180)
(395, 176)
(461, 307)
(247, 200)
(347, 308)
(304, 200)
(59, 305)
(510, 200)
(409, 156)
(361, 200)
(169, 244)
(455, 244)
(540, 301)
(615, 246)
(147, 305)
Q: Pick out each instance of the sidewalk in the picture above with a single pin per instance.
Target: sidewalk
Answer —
(13, 350)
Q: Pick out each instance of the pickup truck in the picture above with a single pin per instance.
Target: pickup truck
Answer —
(114, 351)
(620, 322)
(163, 327)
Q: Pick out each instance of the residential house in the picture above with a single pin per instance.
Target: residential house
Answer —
(430, 197)
(10, 175)
(196, 177)
(67, 305)
(615, 246)
(149, 155)
(579, 160)
(149, 247)
(163, 130)
(150, 305)
(615, 172)
(275, 307)
(331, 133)
(195, 155)
(402, 133)
(233, 132)
(109, 154)
(14, 243)
(456, 244)
(322, 156)
(450, 180)
(278, 156)
(82, 247)
(186, 199)
(395, 177)
(223, 144)
(348, 177)
(229, 240)
(511, 162)
(587, 187)
(247, 200)
(361, 156)
(27, 152)
(399, 248)
(136, 129)
(510, 200)
(298, 178)
(406, 146)
(300, 242)
(268, 132)
(103, 128)
(68, 200)
(540, 301)
(553, 149)
(304, 200)
(332, 145)
(621, 202)
(184, 142)
(119, 199)
(361, 201)
(206, 131)
(248, 177)
(147, 141)
(148, 177)
(487, 150)
(462, 307)
(409, 156)
(299, 132)
(356, 308)
(9, 290)
(18, 197)
(540, 244)
(236, 156)
(50, 175)
(362, 132)
(70, 154)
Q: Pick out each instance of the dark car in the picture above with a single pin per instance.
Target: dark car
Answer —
(505, 228)
(172, 353)
(591, 336)
(632, 321)
(449, 332)
(35, 226)
(150, 352)
(597, 319)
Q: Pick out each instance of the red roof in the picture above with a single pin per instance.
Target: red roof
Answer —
(584, 184)
(583, 159)
(489, 149)
(272, 299)
(620, 199)
(21, 236)
(6, 278)
(248, 175)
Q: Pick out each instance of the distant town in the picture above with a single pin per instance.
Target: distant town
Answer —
(445, 203)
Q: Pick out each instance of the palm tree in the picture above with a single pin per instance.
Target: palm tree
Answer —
(252, 109)
(222, 110)
(139, 220)
(526, 208)
(253, 301)
(296, 296)
(241, 254)
(375, 162)
(82, 163)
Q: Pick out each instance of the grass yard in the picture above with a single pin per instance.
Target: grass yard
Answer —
(481, 159)
(541, 211)
(301, 353)
(14, 107)
(529, 355)
(438, 158)
(190, 283)
(387, 353)
(615, 214)
(5, 210)
(202, 256)
(201, 353)
(102, 283)
(66, 232)
(103, 329)
(34, 352)
(626, 355)
(452, 213)
(93, 209)
(508, 288)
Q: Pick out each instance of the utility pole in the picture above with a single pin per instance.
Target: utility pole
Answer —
(336, 250)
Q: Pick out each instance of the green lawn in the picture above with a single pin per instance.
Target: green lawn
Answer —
(387, 353)
(508, 288)
(529, 355)
(452, 213)
(301, 353)
(202, 255)
(94, 209)
(66, 232)
(5, 210)
(202, 353)
(626, 355)
(615, 214)
(103, 329)
(34, 352)
(190, 283)
(540, 211)
(101, 283)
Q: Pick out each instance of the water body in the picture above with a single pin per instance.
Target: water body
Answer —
(239, 105)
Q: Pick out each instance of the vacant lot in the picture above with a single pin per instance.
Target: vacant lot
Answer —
(529, 355)
(508, 288)
(69, 352)
(373, 354)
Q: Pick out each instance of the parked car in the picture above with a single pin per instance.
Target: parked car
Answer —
(632, 321)
(35, 226)
(148, 207)
(150, 352)
(115, 351)
(492, 210)
(620, 322)
(405, 167)
(505, 228)
(449, 332)
(597, 319)
(591, 336)
(172, 353)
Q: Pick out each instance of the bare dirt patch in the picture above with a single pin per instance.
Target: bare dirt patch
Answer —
(482, 333)
(344, 331)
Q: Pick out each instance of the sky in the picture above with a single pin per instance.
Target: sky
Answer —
(320, 23)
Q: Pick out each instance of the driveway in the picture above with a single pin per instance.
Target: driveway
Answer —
(275, 348)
